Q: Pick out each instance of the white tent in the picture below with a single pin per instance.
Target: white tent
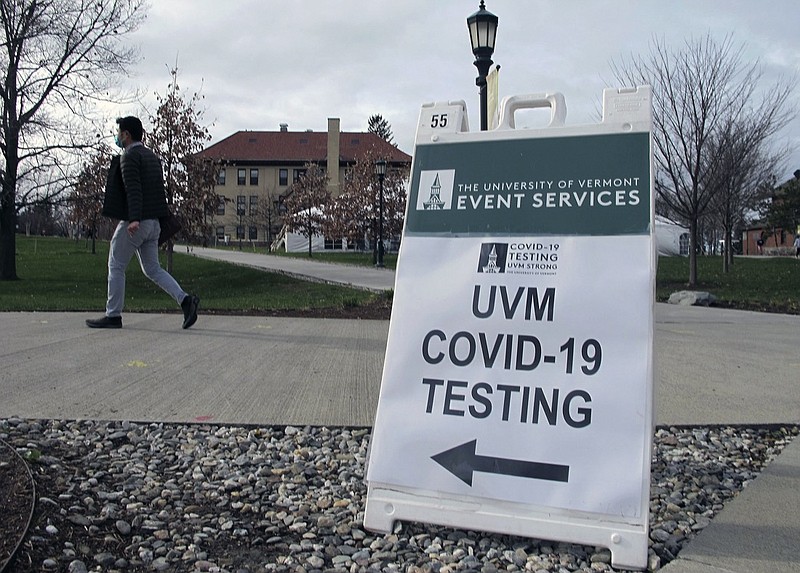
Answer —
(295, 242)
(672, 239)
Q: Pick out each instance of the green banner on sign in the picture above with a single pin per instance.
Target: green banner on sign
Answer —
(592, 185)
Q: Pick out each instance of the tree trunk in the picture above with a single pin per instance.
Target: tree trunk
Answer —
(726, 247)
(693, 252)
(8, 239)
(170, 246)
(8, 215)
(733, 253)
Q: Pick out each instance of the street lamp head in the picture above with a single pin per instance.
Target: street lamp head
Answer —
(482, 32)
(482, 27)
(380, 168)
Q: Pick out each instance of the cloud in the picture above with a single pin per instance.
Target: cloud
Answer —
(264, 63)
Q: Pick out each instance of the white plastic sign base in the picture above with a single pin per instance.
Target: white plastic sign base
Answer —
(628, 543)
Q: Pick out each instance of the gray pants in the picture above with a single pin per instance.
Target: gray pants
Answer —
(145, 244)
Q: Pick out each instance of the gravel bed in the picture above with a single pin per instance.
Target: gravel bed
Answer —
(131, 497)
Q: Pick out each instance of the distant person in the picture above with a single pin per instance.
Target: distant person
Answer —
(135, 195)
(760, 245)
(797, 247)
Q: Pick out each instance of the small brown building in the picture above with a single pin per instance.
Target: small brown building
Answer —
(773, 241)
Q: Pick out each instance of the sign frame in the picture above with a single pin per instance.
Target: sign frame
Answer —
(626, 113)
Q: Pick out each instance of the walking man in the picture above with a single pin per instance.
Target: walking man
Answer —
(135, 195)
(797, 246)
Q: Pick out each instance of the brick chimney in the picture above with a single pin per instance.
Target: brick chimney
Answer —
(333, 156)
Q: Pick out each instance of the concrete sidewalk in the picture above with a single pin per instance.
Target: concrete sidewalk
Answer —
(758, 531)
(369, 278)
(713, 366)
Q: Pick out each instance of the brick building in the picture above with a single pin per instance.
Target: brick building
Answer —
(258, 168)
(775, 241)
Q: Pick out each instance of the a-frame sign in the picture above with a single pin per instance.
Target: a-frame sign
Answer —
(517, 389)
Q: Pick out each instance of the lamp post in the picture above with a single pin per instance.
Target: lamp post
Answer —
(482, 34)
(796, 218)
(380, 171)
(240, 227)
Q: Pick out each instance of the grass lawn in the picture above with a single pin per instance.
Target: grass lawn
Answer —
(768, 284)
(754, 283)
(63, 275)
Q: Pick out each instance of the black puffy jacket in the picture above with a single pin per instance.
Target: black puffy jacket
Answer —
(135, 186)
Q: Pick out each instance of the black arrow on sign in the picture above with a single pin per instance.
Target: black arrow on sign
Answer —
(462, 462)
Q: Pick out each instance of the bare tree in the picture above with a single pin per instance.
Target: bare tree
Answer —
(742, 178)
(58, 57)
(394, 200)
(350, 215)
(86, 197)
(699, 91)
(265, 215)
(177, 137)
(353, 215)
(306, 203)
(199, 206)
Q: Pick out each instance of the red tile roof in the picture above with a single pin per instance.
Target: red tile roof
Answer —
(298, 147)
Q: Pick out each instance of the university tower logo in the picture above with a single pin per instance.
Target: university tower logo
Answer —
(435, 191)
(493, 258)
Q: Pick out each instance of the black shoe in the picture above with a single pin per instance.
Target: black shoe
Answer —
(189, 306)
(105, 322)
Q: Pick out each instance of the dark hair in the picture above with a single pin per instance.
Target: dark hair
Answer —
(132, 125)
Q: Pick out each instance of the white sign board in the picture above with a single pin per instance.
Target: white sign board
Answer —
(517, 388)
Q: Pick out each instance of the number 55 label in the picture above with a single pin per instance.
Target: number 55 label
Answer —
(442, 118)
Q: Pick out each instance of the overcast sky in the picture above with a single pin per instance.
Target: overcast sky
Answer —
(261, 63)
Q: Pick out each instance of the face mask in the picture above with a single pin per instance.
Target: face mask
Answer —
(117, 141)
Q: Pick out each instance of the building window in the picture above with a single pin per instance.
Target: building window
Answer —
(283, 177)
(253, 205)
(221, 233)
(240, 231)
(298, 173)
(241, 174)
(252, 233)
(334, 244)
(221, 177)
(254, 177)
(221, 206)
(241, 206)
